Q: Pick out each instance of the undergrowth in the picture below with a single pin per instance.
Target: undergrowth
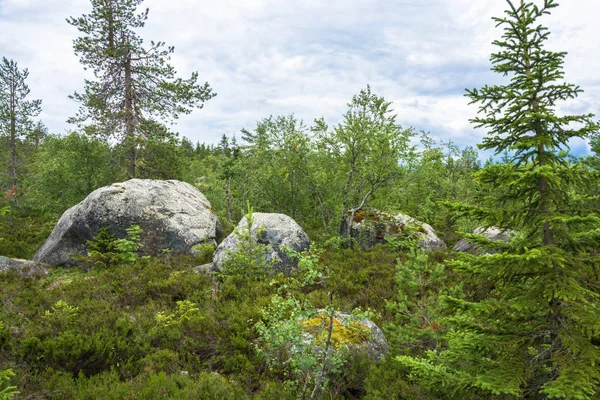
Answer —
(153, 328)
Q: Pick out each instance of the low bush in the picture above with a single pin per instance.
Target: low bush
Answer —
(154, 328)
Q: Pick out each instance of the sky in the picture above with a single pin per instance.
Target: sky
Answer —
(309, 57)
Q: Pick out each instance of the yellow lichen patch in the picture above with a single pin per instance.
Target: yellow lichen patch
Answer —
(343, 333)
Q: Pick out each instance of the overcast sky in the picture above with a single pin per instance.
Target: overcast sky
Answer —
(309, 57)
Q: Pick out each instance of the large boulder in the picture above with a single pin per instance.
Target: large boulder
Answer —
(275, 231)
(24, 268)
(173, 215)
(370, 227)
(492, 233)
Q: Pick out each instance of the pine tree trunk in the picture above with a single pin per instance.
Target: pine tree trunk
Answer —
(13, 140)
(129, 119)
(548, 238)
(556, 317)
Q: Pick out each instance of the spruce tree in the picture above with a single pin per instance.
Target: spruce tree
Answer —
(535, 333)
(135, 84)
(15, 111)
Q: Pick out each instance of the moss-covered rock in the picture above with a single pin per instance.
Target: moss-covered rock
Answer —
(347, 331)
(370, 227)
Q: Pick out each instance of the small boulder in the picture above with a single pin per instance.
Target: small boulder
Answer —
(172, 214)
(277, 231)
(370, 227)
(24, 268)
(492, 233)
(361, 334)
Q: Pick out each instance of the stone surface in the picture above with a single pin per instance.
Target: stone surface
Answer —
(23, 267)
(361, 334)
(204, 268)
(278, 231)
(173, 215)
(370, 227)
(491, 233)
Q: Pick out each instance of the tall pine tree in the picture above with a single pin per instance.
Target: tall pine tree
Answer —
(535, 333)
(135, 84)
(16, 112)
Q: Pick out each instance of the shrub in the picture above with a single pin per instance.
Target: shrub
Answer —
(250, 258)
(6, 390)
(306, 346)
(105, 250)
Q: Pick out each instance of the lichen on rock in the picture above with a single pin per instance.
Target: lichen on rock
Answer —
(370, 227)
(347, 331)
(277, 232)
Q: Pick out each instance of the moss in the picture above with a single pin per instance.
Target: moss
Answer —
(344, 333)
(359, 216)
(204, 252)
(203, 247)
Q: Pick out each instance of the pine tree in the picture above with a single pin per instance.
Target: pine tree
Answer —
(38, 134)
(534, 334)
(134, 84)
(15, 111)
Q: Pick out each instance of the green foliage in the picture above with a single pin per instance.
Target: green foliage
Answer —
(249, 260)
(3, 211)
(204, 252)
(531, 333)
(186, 310)
(161, 156)
(368, 147)
(438, 173)
(62, 315)
(15, 112)
(22, 234)
(313, 178)
(359, 279)
(128, 247)
(389, 380)
(66, 169)
(133, 84)
(106, 250)
(147, 386)
(110, 332)
(406, 238)
(307, 346)
(7, 392)
(278, 155)
(418, 311)
(522, 323)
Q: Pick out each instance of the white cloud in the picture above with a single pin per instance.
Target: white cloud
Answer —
(267, 57)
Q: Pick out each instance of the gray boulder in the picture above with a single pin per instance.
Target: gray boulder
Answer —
(173, 215)
(22, 267)
(492, 233)
(370, 227)
(361, 335)
(206, 269)
(276, 232)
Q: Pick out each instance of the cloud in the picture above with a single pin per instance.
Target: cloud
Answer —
(267, 57)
